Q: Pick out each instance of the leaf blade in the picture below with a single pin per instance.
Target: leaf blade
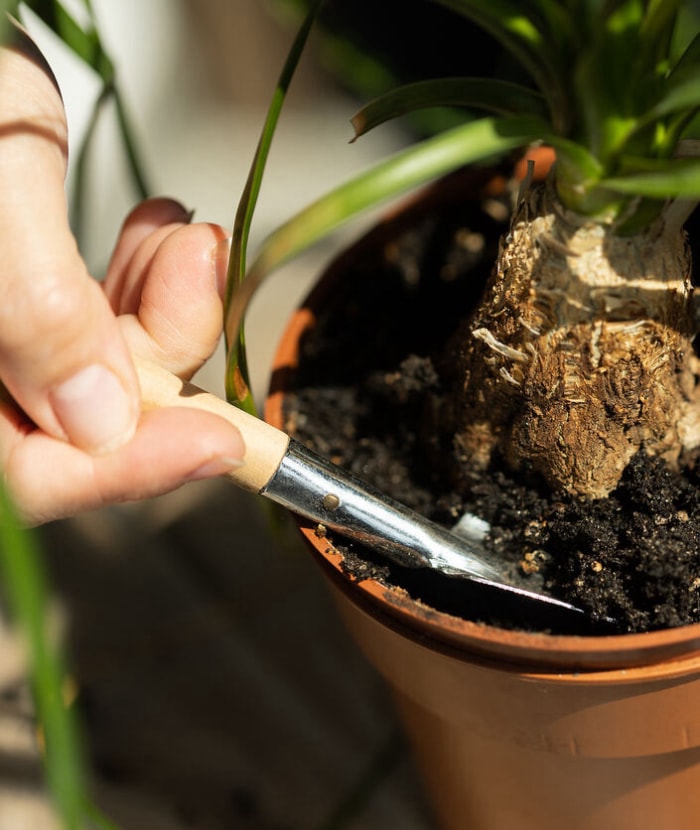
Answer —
(237, 375)
(659, 179)
(502, 97)
(473, 142)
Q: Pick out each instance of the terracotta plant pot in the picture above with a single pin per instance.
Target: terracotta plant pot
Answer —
(522, 730)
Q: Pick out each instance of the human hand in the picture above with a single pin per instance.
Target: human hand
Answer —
(72, 436)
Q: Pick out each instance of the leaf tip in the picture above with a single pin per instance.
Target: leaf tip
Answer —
(359, 125)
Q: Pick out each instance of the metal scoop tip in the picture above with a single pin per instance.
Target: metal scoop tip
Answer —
(313, 487)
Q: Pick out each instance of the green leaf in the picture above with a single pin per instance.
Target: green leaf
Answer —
(486, 138)
(496, 96)
(690, 59)
(682, 93)
(84, 42)
(7, 7)
(520, 30)
(108, 93)
(23, 579)
(87, 44)
(237, 375)
(680, 89)
(605, 98)
(659, 179)
(656, 30)
(502, 16)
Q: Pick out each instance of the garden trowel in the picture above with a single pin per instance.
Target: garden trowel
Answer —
(283, 470)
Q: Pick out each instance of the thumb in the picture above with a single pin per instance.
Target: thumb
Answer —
(62, 357)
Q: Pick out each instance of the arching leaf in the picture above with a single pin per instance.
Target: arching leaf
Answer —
(502, 97)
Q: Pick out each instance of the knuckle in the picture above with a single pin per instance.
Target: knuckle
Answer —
(43, 313)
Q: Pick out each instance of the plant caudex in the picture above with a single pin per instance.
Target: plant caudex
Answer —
(580, 352)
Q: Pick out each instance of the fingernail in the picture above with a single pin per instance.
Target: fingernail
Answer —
(94, 410)
(178, 211)
(216, 467)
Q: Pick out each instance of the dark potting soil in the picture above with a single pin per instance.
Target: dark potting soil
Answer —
(371, 371)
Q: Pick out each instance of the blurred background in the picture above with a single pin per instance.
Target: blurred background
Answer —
(215, 686)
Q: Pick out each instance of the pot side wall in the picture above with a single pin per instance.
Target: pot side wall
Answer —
(477, 783)
(499, 747)
(612, 714)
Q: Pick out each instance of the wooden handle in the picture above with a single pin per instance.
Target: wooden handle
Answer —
(265, 445)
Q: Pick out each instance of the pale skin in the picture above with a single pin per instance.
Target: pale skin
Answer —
(72, 434)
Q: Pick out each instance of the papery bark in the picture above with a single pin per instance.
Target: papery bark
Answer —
(580, 353)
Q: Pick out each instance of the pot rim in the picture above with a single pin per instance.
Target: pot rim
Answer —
(664, 653)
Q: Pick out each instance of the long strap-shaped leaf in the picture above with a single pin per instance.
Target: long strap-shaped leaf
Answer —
(24, 582)
(86, 43)
(514, 23)
(237, 374)
(492, 95)
(482, 139)
(659, 179)
(83, 41)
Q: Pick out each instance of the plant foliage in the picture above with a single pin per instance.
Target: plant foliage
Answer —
(23, 581)
(612, 85)
(85, 41)
(621, 86)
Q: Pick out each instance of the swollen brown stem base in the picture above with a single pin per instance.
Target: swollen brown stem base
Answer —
(579, 353)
